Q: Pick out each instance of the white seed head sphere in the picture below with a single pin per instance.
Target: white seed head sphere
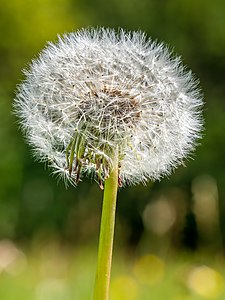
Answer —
(97, 90)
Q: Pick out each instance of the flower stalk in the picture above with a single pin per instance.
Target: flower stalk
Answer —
(102, 281)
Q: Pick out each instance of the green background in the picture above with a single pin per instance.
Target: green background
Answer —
(184, 213)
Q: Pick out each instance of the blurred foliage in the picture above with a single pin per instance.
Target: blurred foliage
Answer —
(54, 271)
(185, 210)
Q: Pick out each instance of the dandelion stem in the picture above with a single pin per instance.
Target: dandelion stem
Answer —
(102, 281)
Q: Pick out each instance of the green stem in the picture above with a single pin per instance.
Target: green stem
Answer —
(102, 281)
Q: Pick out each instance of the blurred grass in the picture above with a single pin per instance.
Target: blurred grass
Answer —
(51, 271)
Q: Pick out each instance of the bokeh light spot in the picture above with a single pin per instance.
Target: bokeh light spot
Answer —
(149, 269)
(52, 289)
(159, 216)
(12, 260)
(206, 282)
(124, 288)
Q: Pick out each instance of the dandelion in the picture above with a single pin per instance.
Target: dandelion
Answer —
(98, 90)
(113, 105)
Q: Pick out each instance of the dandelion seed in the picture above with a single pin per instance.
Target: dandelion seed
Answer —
(96, 90)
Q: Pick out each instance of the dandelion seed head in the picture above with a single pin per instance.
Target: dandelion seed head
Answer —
(96, 90)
